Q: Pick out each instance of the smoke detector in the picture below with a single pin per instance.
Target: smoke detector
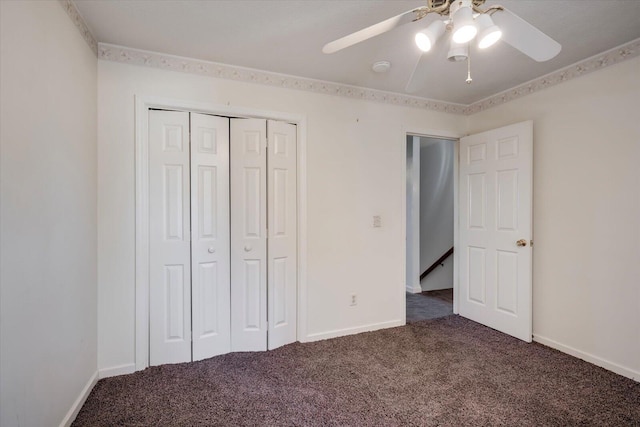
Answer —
(381, 66)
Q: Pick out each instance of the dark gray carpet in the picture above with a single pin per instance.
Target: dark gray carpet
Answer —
(448, 371)
(445, 295)
(428, 305)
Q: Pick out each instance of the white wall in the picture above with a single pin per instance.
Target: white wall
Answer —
(354, 170)
(586, 259)
(436, 210)
(48, 80)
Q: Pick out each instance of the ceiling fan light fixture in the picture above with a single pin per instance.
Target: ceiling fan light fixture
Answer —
(488, 33)
(458, 52)
(464, 29)
(427, 38)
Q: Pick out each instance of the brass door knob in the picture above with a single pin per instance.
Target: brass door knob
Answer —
(521, 242)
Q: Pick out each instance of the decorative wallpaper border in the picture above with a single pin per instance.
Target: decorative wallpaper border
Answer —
(70, 7)
(224, 71)
(594, 63)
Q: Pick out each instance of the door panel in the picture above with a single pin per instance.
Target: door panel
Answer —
(210, 252)
(251, 294)
(175, 304)
(282, 243)
(477, 275)
(169, 230)
(495, 212)
(249, 235)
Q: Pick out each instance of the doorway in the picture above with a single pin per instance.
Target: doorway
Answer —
(431, 189)
(493, 226)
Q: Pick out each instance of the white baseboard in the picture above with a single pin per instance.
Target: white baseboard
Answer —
(350, 331)
(77, 405)
(415, 289)
(129, 368)
(598, 361)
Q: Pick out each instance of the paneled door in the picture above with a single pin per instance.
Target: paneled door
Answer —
(495, 271)
(169, 238)
(189, 301)
(223, 235)
(282, 232)
(210, 251)
(249, 235)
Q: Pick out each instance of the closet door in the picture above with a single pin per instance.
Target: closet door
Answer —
(210, 258)
(282, 239)
(249, 232)
(169, 238)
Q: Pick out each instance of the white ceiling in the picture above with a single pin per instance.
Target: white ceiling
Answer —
(286, 36)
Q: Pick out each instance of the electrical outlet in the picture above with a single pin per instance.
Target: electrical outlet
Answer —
(377, 221)
(354, 300)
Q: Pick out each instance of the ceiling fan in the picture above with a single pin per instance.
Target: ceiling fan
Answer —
(467, 21)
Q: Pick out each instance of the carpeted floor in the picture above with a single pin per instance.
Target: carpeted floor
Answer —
(445, 295)
(448, 371)
(429, 305)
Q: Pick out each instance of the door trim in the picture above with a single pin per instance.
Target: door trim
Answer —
(142, 106)
(431, 133)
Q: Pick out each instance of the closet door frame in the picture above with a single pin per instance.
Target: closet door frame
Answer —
(142, 106)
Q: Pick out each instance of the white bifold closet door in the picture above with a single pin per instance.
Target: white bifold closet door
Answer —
(282, 227)
(210, 257)
(189, 237)
(223, 235)
(169, 238)
(249, 231)
(263, 230)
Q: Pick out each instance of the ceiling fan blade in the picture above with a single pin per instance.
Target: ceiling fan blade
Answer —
(525, 37)
(417, 79)
(372, 31)
(421, 73)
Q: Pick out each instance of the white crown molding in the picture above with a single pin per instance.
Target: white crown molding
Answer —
(597, 62)
(70, 7)
(224, 71)
(194, 66)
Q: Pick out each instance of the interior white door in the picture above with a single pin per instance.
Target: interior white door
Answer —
(495, 270)
(210, 252)
(249, 235)
(169, 238)
(282, 233)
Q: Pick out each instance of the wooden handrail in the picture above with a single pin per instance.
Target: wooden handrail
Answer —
(435, 264)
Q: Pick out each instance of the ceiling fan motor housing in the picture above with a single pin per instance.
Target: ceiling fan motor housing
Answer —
(459, 4)
(448, 7)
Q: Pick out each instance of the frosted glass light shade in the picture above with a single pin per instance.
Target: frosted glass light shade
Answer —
(488, 32)
(423, 42)
(464, 29)
(427, 38)
(458, 52)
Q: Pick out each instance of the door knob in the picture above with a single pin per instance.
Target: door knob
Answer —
(521, 242)
(247, 248)
(211, 250)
